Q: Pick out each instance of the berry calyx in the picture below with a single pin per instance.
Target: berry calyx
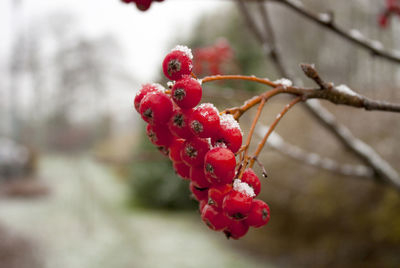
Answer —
(217, 193)
(156, 108)
(236, 229)
(198, 177)
(237, 204)
(204, 120)
(259, 214)
(214, 218)
(179, 123)
(146, 88)
(252, 180)
(229, 133)
(187, 92)
(219, 165)
(159, 135)
(194, 150)
(178, 63)
(198, 193)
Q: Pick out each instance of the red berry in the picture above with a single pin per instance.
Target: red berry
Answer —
(159, 135)
(219, 165)
(182, 170)
(237, 205)
(164, 150)
(143, 5)
(198, 177)
(214, 218)
(252, 180)
(156, 108)
(187, 92)
(229, 133)
(236, 229)
(178, 63)
(198, 193)
(127, 1)
(204, 120)
(175, 150)
(179, 123)
(147, 88)
(202, 204)
(259, 214)
(194, 150)
(216, 194)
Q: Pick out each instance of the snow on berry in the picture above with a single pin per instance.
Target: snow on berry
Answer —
(237, 204)
(204, 120)
(177, 64)
(146, 88)
(185, 50)
(229, 134)
(252, 180)
(243, 188)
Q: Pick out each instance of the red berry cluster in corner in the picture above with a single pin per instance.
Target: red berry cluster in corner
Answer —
(142, 5)
(392, 8)
(201, 143)
(211, 58)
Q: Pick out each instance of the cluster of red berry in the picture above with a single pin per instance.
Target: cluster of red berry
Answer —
(202, 144)
(392, 8)
(212, 57)
(141, 4)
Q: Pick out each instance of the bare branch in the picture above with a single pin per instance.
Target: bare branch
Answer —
(381, 168)
(354, 36)
(276, 142)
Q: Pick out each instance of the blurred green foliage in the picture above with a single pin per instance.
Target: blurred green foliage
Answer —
(153, 181)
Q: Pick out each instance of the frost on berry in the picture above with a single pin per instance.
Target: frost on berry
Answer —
(185, 50)
(146, 88)
(177, 63)
(204, 120)
(243, 188)
(229, 135)
(156, 108)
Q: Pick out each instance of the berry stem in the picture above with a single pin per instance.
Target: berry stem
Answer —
(239, 77)
(271, 128)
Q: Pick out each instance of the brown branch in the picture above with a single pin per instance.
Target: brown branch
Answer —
(271, 128)
(337, 95)
(352, 36)
(383, 171)
(277, 143)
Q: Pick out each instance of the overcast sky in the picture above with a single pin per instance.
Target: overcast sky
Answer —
(144, 36)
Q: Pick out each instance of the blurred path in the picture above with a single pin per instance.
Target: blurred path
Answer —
(83, 223)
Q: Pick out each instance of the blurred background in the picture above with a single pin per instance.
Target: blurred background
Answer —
(81, 186)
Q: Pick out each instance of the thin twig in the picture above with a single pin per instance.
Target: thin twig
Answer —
(271, 128)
